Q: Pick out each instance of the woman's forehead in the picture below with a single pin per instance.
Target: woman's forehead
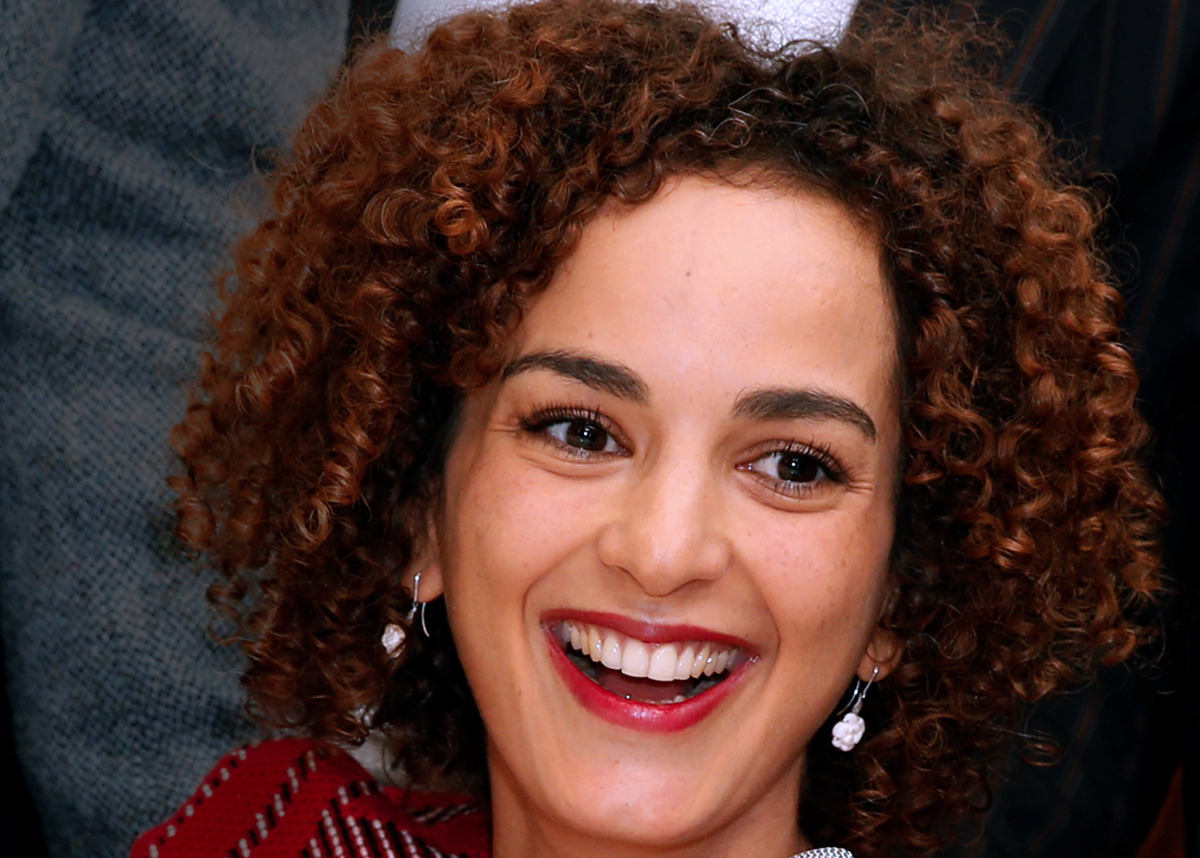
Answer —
(742, 287)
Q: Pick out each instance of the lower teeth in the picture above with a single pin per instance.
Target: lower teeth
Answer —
(586, 666)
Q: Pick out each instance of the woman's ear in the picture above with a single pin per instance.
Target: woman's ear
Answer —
(427, 564)
(884, 651)
(885, 648)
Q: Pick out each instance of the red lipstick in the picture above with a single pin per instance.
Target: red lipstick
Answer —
(637, 714)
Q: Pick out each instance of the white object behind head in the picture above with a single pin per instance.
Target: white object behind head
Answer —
(770, 22)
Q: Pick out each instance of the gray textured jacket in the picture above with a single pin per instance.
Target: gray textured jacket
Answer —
(129, 130)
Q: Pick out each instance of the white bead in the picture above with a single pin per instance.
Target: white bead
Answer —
(848, 732)
(393, 637)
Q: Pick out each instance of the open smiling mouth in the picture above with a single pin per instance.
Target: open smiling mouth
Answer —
(660, 674)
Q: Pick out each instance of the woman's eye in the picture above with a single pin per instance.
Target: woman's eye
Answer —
(582, 434)
(794, 468)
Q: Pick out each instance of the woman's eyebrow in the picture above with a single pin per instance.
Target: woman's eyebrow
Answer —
(769, 404)
(785, 403)
(595, 372)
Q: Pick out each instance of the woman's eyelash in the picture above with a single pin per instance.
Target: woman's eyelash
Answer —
(817, 467)
(542, 420)
(587, 432)
(823, 456)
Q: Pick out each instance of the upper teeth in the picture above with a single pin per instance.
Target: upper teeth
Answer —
(664, 662)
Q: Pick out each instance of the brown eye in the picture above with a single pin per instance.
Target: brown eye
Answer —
(582, 435)
(794, 471)
(797, 468)
(585, 435)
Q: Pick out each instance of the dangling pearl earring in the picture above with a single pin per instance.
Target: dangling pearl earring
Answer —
(849, 731)
(393, 634)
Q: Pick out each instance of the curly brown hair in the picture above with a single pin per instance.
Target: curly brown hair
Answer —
(431, 197)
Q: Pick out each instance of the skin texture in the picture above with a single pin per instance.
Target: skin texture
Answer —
(674, 513)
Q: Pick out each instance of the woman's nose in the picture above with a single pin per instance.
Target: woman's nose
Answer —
(668, 530)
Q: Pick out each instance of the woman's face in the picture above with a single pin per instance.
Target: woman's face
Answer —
(687, 467)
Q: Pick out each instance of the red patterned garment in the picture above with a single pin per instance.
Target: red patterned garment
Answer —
(287, 799)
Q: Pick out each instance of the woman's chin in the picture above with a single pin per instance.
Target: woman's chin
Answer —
(647, 800)
(648, 818)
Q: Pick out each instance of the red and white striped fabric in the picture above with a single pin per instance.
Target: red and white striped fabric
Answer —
(288, 799)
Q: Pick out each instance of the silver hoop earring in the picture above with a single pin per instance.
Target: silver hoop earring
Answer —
(849, 731)
(416, 600)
